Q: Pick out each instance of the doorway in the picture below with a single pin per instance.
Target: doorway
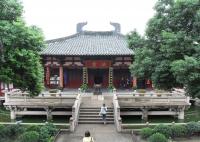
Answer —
(98, 79)
(98, 76)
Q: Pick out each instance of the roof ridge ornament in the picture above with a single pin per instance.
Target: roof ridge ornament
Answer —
(79, 27)
(117, 27)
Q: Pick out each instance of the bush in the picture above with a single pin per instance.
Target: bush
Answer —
(193, 127)
(111, 87)
(2, 131)
(146, 132)
(84, 87)
(163, 129)
(52, 130)
(157, 137)
(33, 128)
(31, 136)
(47, 131)
(14, 130)
(51, 139)
(178, 130)
(44, 134)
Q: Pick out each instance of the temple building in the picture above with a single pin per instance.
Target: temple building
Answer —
(88, 57)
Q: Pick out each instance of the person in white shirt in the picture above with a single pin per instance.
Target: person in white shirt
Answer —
(103, 113)
(87, 137)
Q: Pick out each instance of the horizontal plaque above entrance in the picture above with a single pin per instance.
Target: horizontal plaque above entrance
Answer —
(97, 63)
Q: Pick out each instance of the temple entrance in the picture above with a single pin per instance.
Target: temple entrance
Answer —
(98, 76)
(98, 79)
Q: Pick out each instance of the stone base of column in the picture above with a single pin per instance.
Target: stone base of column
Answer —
(181, 115)
(49, 117)
(145, 117)
(145, 114)
(12, 115)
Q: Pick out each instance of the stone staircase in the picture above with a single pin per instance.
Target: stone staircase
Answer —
(90, 115)
(90, 108)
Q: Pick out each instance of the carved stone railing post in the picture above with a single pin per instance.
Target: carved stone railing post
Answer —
(117, 117)
(6, 95)
(71, 122)
(75, 113)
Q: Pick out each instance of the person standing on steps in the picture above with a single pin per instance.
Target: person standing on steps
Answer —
(103, 112)
(87, 137)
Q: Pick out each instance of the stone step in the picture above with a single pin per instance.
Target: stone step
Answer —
(94, 110)
(94, 113)
(94, 116)
(94, 119)
(109, 108)
(90, 115)
(95, 122)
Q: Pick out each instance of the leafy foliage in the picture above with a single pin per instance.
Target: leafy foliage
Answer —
(178, 130)
(146, 132)
(14, 130)
(171, 55)
(46, 132)
(157, 137)
(135, 40)
(19, 49)
(32, 133)
(30, 136)
(84, 87)
(33, 128)
(193, 127)
(10, 9)
(163, 129)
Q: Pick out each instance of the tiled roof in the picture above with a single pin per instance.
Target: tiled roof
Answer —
(89, 43)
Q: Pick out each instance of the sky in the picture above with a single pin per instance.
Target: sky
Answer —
(58, 18)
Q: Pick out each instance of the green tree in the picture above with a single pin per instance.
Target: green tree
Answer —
(172, 37)
(19, 49)
(135, 40)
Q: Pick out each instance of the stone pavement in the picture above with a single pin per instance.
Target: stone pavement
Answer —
(100, 133)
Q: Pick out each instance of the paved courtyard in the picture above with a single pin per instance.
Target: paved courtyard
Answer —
(101, 133)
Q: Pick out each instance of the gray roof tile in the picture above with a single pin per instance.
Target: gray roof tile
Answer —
(89, 43)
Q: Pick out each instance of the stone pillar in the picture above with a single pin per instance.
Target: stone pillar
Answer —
(47, 76)
(12, 114)
(85, 75)
(110, 76)
(61, 76)
(181, 114)
(145, 114)
(49, 115)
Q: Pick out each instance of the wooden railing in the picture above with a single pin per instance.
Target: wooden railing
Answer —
(117, 117)
(75, 112)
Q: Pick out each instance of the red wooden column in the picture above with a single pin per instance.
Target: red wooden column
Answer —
(47, 76)
(61, 76)
(134, 82)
